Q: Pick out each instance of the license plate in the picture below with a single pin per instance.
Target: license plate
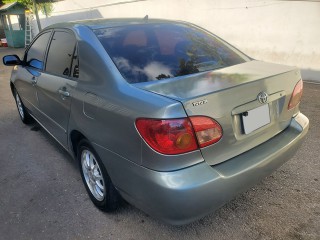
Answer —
(255, 118)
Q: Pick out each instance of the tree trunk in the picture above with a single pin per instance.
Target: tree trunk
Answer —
(35, 8)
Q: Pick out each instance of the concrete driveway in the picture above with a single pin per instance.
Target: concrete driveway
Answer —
(42, 196)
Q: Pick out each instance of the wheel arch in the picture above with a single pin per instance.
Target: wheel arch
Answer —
(12, 87)
(75, 137)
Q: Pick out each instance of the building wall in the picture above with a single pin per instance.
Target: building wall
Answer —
(286, 32)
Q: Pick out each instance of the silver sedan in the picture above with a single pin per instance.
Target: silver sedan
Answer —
(163, 114)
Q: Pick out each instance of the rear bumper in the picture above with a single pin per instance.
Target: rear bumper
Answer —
(182, 196)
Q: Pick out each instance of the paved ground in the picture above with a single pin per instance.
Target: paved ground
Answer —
(42, 196)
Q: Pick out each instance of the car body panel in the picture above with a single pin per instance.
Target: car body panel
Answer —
(193, 86)
(24, 82)
(54, 106)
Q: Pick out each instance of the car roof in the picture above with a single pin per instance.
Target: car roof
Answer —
(112, 22)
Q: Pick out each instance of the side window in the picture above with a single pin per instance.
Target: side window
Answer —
(36, 52)
(75, 64)
(60, 54)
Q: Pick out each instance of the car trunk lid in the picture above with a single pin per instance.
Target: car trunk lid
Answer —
(228, 95)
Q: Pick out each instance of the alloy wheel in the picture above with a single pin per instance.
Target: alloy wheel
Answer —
(92, 174)
(20, 106)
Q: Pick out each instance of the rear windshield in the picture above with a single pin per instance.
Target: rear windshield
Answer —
(149, 52)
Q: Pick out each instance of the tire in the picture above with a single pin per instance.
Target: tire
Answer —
(96, 179)
(23, 112)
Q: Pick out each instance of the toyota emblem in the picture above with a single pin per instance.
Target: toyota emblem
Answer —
(263, 97)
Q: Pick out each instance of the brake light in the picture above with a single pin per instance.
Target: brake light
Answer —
(176, 136)
(172, 136)
(208, 131)
(296, 95)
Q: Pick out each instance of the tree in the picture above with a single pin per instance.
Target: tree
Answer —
(45, 7)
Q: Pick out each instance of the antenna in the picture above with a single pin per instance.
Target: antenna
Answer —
(146, 18)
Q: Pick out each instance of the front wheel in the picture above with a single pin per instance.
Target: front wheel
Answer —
(23, 113)
(96, 179)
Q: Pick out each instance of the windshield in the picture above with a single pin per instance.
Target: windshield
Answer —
(149, 52)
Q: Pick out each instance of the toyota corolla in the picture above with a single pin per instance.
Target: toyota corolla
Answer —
(163, 114)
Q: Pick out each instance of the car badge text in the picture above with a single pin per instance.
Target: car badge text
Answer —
(201, 102)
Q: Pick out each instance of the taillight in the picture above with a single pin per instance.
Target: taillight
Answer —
(172, 136)
(296, 95)
(208, 131)
(176, 136)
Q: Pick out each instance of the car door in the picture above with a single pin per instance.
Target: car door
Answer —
(29, 73)
(55, 85)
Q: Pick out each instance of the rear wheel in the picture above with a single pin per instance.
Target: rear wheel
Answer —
(96, 179)
(23, 113)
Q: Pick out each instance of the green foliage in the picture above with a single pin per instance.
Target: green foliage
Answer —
(45, 8)
(27, 3)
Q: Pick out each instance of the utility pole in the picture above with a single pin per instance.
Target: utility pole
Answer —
(37, 15)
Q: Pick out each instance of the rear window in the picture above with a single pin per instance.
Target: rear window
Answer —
(149, 52)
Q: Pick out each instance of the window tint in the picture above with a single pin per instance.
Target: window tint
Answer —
(75, 64)
(38, 48)
(60, 53)
(148, 52)
(136, 38)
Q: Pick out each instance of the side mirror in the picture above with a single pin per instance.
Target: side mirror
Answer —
(11, 60)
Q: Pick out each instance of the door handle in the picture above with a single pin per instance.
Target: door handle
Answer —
(33, 81)
(64, 93)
